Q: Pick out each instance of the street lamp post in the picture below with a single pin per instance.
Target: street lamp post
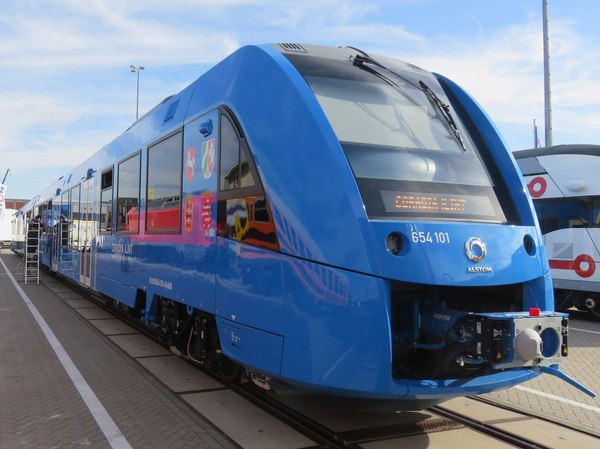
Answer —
(137, 70)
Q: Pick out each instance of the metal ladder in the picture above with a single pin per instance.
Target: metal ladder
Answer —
(32, 253)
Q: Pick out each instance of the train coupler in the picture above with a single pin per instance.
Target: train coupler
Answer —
(447, 343)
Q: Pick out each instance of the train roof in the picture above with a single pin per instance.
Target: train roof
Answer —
(593, 150)
(172, 112)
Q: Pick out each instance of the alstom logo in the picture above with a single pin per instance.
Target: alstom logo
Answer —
(479, 269)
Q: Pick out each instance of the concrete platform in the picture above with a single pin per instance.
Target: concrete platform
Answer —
(41, 406)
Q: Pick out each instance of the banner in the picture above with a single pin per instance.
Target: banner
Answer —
(2, 203)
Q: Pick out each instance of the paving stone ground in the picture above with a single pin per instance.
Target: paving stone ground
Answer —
(553, 398)
(39, 404)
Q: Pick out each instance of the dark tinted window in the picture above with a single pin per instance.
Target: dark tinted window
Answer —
(230, 156)
(64, 205)
(106, 219)
(128, 194)
(236, 164)
(163, 204)
(410, 153)
(242, 210)
(75, 217)
(564, 213)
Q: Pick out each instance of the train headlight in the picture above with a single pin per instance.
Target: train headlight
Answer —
(394, 243)
(529, 245)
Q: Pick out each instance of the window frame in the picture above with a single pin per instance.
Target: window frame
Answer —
(139, 191)
(238, 192)
(177, 132)
(71, 219)
(102, 190)
(66, 192)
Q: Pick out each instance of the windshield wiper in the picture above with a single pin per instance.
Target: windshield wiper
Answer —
(359, 61)
(445, 110)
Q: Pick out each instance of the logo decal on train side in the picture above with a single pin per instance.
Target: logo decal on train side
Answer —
(206, 216)
(189, 213)
(584, 265)
(537, 186)
(190, 163)
(208, 158)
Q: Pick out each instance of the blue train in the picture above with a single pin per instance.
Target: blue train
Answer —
(337, 221)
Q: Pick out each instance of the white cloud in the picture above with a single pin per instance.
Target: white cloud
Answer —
(504, 72)
(67, 89)
(103, 34)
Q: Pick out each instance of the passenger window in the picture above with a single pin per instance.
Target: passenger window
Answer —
(230, 156)
(242, 208)
(128, 195)
(64, 205)
(65, 211)
(236, 169)
(163, 194)
(247, 180)
(106, 201)
(75, 217)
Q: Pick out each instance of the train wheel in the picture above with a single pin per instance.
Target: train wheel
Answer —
(592, 304)
(228, 369)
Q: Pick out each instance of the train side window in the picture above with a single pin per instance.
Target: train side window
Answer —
(237, 170)
(64, 205)
(230, 154)
(75, 217)
(163, 194)
(65, 212)
(128, 195)
(106, 193)
(243, 212)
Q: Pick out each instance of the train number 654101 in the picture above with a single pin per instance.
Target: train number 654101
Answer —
(430, 237)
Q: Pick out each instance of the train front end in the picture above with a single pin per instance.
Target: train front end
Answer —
(458, 265)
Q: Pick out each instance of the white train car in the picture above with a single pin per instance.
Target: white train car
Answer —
(564, 183)
(6, 234)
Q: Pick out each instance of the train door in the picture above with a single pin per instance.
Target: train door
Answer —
(87, 233)
(199, 196)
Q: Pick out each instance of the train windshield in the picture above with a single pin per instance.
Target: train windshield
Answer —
(410, 153)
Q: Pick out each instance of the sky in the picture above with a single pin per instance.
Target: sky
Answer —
(67, 90)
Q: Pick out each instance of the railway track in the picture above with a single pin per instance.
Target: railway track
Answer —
(391, 427)
(442, 419)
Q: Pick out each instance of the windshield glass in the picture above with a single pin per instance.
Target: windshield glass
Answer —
(401, 133)
(410, 153)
